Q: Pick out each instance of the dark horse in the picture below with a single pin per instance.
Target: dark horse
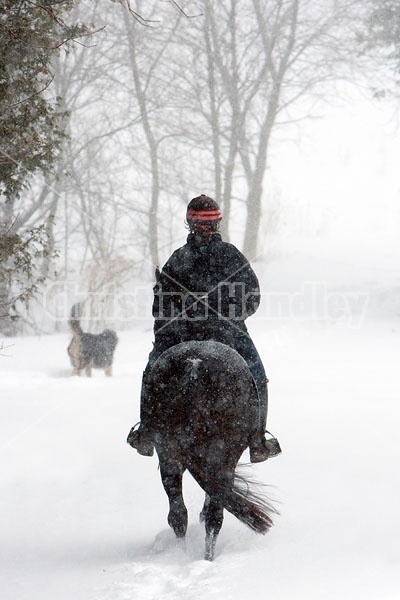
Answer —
(205, 406)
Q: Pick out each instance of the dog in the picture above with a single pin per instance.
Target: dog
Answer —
(90, 350)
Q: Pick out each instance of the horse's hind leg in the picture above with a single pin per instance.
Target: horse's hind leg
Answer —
(213, 517)
(213, 509)
(202, 515)
(171, 475)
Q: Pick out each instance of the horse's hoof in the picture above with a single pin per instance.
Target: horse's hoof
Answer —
(211, 540)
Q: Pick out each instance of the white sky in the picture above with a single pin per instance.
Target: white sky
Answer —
(343, 175)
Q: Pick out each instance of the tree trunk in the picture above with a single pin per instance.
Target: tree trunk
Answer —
(255, 182)
(151, 142)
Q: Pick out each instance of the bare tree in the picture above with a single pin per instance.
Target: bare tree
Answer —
(258, 66)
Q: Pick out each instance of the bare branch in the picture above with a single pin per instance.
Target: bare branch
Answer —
(3, 347)
(33, 95)
(182, 11)
(138, 17)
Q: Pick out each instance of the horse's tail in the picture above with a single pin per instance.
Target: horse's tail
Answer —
(254, 510)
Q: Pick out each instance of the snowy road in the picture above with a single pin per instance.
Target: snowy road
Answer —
(84, 517)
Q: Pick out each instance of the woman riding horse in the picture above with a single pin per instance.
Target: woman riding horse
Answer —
(205, 291)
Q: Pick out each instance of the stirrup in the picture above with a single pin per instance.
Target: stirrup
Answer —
(274, 447)
(138, 441)
(264, 449)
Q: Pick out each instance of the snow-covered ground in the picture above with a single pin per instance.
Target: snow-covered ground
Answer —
(83, 516)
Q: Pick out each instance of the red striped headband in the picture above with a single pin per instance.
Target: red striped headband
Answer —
(203, 215)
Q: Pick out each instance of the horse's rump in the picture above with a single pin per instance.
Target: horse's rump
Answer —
(203, 395)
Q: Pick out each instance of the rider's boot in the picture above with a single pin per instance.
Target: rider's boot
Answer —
(262, 449)
(139, 438)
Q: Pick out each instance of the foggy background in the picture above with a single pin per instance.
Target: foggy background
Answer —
(284, 112)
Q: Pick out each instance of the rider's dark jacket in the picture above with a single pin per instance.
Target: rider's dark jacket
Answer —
(206, 290)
